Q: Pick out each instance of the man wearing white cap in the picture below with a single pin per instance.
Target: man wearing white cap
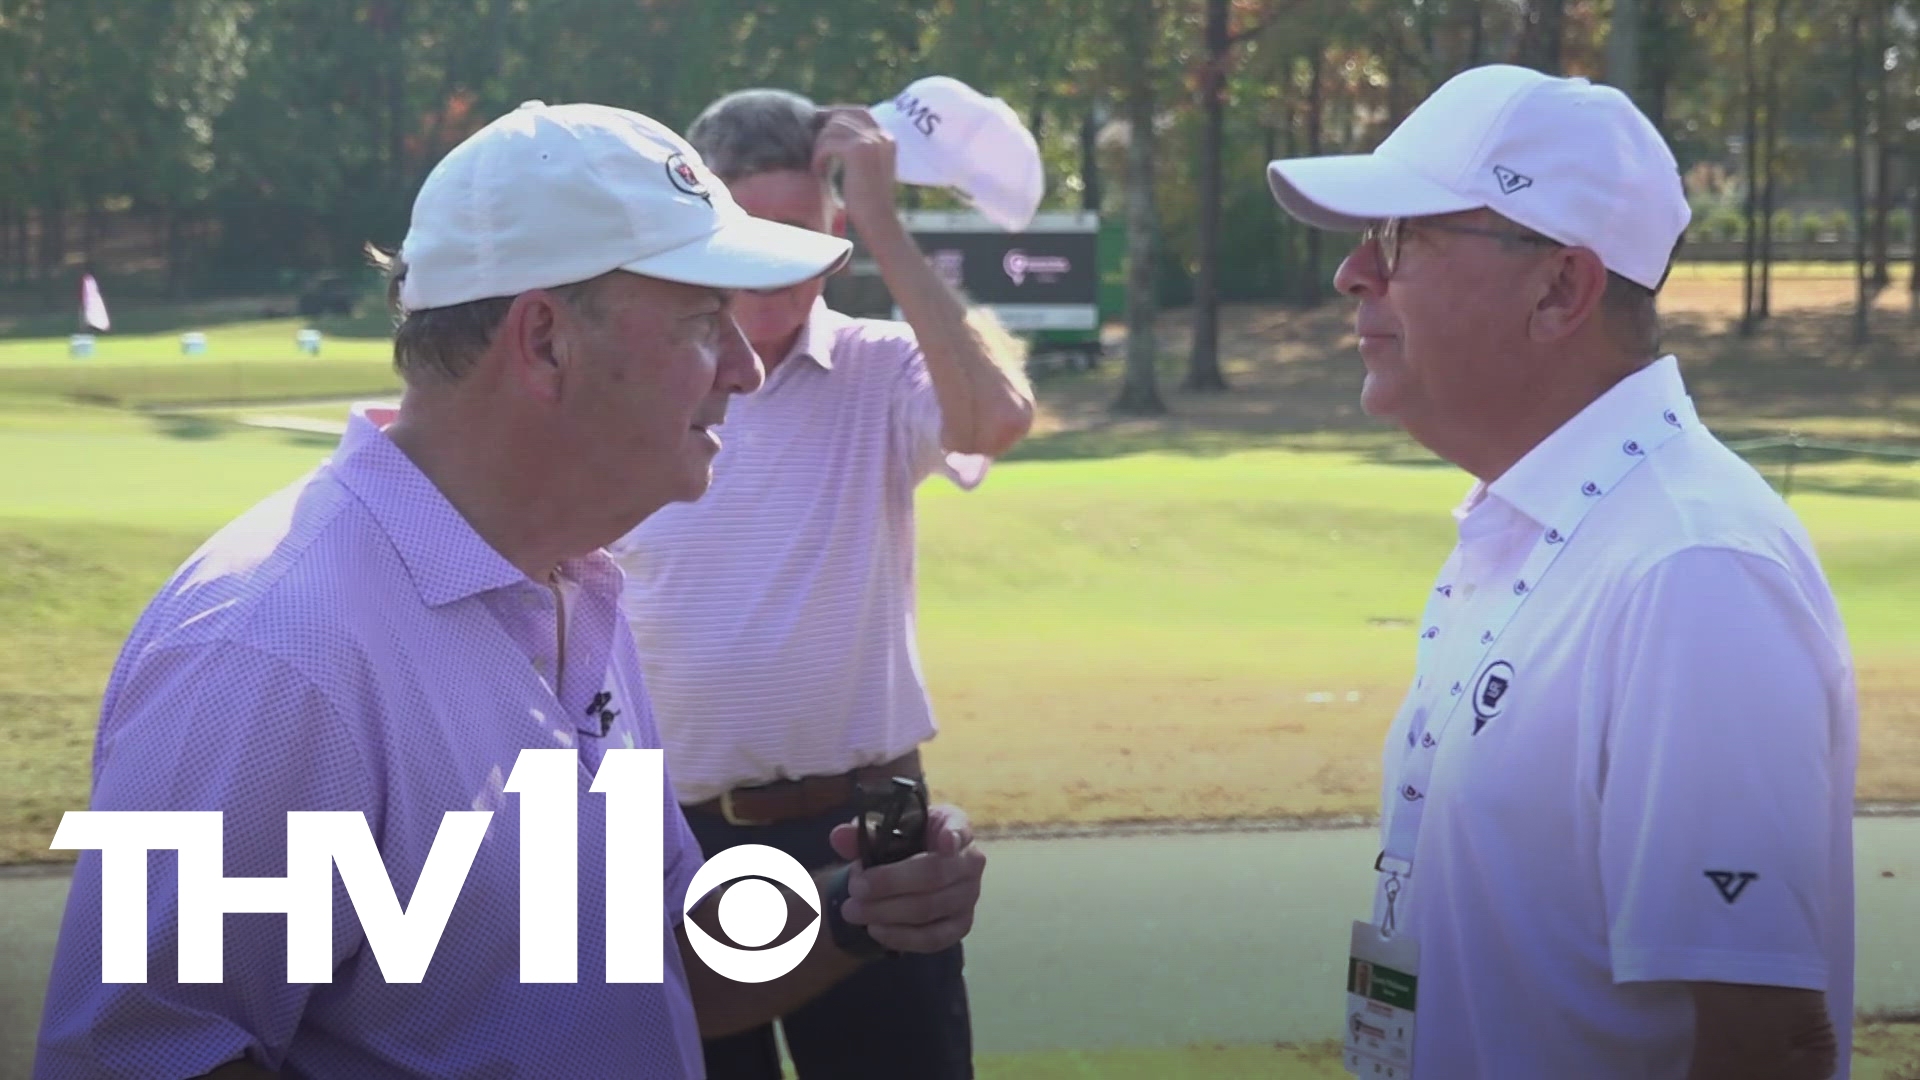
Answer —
(388, 635)
(775, 617)
(1617, 804)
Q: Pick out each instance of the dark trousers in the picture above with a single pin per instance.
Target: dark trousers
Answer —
(896, 1017)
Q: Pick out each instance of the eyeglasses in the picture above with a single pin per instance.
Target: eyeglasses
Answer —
(1386, 235)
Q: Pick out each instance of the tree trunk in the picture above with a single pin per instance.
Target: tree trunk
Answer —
(1541, 39)
(1316, 108)
(1882, 148)
(1203, 364)
(1748, 293)
(1856, 92)
(1477, 33)
(1913, 236)
(1140, 392)
(1769, 168)
(1623, 49)
(1090, 160)
(1656, 67)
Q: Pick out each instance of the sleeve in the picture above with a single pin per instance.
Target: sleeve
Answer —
(917, 422)
(205, 727)
(1723, 755)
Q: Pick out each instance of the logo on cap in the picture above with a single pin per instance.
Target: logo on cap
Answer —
(681, 175)
(923, 118)
(1510, 181)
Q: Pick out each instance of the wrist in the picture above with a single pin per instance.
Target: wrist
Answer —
(884, 234)
(850, 938)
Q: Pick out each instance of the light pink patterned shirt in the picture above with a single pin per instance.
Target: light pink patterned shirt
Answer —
(776, 616)
(352, 644)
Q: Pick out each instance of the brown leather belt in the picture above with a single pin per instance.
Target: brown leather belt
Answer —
(787, 800)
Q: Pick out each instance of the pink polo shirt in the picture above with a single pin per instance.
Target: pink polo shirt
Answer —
(776, 616)
(351, 644)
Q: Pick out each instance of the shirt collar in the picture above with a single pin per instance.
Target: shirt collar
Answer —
(818, 335)
(1536, 485)
(445, 558)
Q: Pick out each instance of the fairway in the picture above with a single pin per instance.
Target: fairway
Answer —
(1109, 638)
(244, 361)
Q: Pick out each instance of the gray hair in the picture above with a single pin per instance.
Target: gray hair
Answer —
(440, 345)
(1629, 309)
(749, 132)
(1633, 316)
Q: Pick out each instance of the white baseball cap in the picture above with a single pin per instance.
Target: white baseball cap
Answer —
(947, 134)
(549, 195)
(1571, 160)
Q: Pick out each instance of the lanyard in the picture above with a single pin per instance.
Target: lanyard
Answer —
(1603, 473)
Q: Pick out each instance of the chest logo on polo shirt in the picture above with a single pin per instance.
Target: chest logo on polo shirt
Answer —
(599, 709)
(1731, 883)
(1490, 693)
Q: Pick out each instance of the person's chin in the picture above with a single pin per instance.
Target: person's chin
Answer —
(695, 479)
(1379, 397)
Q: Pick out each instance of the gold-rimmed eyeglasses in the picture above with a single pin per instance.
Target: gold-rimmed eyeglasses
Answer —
(1386, 235)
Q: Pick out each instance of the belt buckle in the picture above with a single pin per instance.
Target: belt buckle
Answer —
(731, 818)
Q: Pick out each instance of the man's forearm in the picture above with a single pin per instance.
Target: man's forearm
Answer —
(726, 1007)
(986, 405)
(1761, 1033)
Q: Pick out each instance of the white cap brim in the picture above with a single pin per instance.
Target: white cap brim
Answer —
(1346, 193)
(749, 253)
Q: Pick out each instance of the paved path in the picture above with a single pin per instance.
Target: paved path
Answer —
(1140, 940)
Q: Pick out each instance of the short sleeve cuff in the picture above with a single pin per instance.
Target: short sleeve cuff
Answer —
(965, 470)
(1638, 963)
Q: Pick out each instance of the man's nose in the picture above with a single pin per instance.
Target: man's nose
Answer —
(739, 370)
(1359, 273)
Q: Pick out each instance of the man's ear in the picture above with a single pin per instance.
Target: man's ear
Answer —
(1569, 292)
(839, 226)
(534, 338)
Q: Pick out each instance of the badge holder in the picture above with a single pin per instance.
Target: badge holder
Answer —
(1382, 978)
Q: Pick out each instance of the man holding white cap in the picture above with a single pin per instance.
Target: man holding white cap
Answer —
(783, 661)
(387, 636)
(947, 134)
(1617, 804)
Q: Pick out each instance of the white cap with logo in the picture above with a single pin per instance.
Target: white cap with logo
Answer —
(549, 195)
(947, 134)
(1571, 160)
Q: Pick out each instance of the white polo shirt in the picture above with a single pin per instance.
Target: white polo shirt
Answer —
(1651, 779)
(775, 616)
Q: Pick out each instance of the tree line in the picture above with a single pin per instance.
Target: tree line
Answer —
(191, 146)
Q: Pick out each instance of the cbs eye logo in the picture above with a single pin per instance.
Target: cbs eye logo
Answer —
(756, 884)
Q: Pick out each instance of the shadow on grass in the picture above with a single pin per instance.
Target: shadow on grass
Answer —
(1863, 488)
(310, 440)
(1296, 384)
(191, 426)
(1130, 438)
